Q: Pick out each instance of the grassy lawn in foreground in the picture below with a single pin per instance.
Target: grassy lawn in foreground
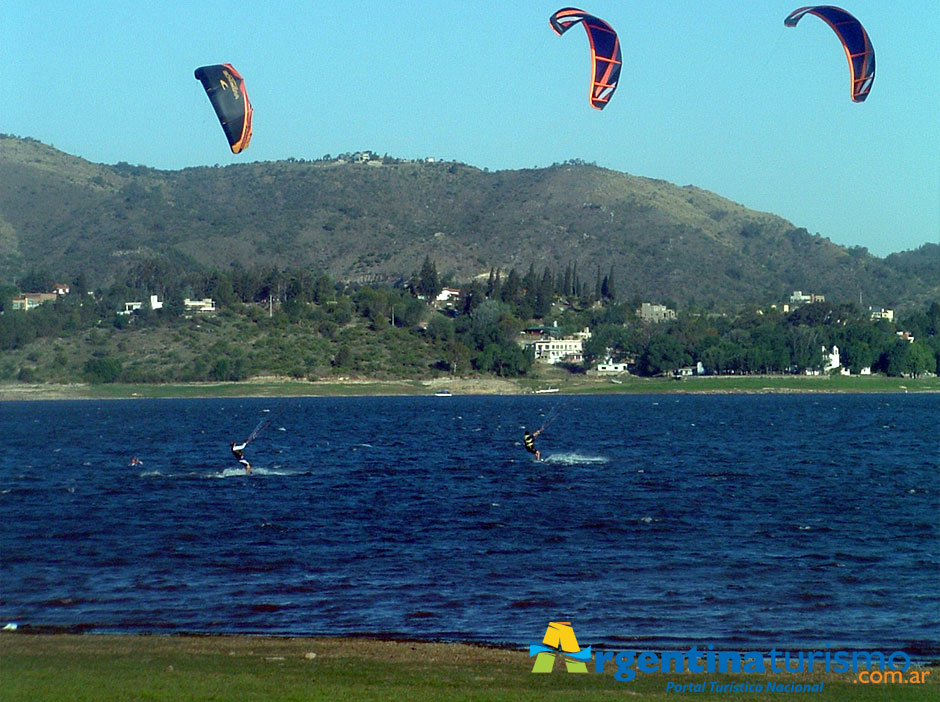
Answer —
(89, 668)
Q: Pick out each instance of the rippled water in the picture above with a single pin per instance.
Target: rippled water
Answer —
(749, 520)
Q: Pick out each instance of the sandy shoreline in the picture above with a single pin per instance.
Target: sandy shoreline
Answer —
(285, 387)
(261, 644)
(389, 647)
(259, 387)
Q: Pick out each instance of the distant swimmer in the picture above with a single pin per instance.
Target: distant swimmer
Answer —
(237, 452)
(135, 461)
(529, 441)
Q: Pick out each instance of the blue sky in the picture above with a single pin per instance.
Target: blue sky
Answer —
(719, 95)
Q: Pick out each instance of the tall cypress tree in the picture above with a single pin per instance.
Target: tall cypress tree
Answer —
(609, 291)
(429, 284)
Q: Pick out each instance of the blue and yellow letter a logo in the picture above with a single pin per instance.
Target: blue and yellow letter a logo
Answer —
(559, 640)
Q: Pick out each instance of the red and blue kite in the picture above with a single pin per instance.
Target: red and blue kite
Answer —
(854, 38)
(605, 51)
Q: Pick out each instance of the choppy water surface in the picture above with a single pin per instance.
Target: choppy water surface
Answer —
(655, 520)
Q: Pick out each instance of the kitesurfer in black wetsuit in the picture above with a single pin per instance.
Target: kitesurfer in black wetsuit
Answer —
(529, 441)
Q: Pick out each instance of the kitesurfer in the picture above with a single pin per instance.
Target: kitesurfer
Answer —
(237, 452)
(529, 441)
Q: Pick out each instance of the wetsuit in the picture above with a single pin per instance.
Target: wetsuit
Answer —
(237, 452)
(529, 441)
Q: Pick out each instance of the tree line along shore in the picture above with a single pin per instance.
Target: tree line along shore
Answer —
(305, 327)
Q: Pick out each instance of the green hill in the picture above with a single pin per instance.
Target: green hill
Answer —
(377, 220)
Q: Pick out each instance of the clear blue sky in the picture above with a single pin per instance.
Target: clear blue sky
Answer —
(719, 95)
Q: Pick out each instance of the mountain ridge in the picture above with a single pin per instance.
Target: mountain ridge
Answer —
(377, 219)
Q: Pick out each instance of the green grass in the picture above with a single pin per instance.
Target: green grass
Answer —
(249, 669)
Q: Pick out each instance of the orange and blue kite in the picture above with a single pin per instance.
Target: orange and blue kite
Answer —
(855, 41)
(605, 51)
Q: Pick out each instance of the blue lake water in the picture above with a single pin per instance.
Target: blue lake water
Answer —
(654, 521)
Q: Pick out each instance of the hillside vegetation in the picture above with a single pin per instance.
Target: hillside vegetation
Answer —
(289, 324)
(376, 221)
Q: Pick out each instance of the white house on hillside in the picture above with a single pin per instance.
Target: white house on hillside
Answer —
(206, 304)
(569, 349)
(608, 366)
(655, 313)
(831, 361)
(131, 307)
(447, 295)
(799, 298)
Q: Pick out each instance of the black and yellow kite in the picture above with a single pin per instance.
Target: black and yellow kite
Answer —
(226, 90)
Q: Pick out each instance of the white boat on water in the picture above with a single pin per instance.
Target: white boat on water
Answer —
(545, 390)
(443, 393)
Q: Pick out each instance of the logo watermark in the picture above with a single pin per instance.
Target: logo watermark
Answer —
(559, 640)
(869, 667)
